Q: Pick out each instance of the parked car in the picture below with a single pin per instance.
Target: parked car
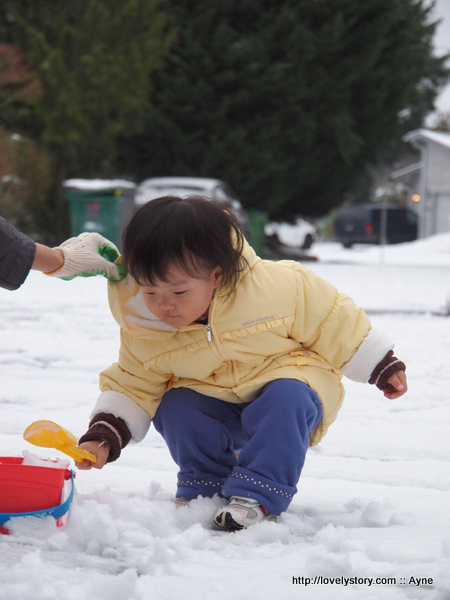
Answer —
(187, 186)
(361, 224)
(300, 234)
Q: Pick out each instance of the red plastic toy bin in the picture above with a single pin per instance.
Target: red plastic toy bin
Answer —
(29, 490)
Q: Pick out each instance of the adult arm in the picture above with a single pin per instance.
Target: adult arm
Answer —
(17, 254)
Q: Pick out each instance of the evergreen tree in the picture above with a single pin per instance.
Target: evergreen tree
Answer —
(94, 60)
(287, 100)
(18, 86)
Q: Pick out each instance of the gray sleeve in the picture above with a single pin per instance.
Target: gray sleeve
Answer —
(17, 253)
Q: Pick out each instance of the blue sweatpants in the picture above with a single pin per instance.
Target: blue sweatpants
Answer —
(272, 434)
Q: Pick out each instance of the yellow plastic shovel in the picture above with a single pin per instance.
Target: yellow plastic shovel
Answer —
(47, 434)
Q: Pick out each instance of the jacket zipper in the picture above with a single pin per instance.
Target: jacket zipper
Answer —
(208, 332)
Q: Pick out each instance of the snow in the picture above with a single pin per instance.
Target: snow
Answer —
(374, 496)
(98, 184)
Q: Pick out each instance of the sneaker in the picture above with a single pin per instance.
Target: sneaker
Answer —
(240, 513)
(181, 502)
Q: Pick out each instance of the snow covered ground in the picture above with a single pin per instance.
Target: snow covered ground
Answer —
(372, 516)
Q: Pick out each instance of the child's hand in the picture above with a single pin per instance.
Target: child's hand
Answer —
(101, 451)
(397, 385)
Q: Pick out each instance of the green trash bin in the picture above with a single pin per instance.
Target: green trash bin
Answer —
(256, 222)
(103, 210)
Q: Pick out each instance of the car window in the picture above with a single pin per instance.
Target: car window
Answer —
(411, 217)
(230, 192)
(220, 194)
(376, 216)
(354, 213)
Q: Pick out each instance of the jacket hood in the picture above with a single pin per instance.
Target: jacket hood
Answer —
(128, 307)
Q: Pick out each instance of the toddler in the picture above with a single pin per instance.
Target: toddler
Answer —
(238, 361)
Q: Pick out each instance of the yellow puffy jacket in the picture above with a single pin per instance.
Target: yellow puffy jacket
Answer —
(281, 321)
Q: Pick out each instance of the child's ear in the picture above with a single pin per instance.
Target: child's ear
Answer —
(217, 276)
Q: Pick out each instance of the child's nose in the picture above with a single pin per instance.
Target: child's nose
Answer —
(166, 303)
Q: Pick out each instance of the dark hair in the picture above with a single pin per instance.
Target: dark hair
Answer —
(195, 234)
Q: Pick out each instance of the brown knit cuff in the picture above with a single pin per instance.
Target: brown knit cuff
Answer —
(109, 429)
(384, 369)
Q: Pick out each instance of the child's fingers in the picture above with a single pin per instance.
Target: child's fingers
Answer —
(396, 386)
(397, 380)
(84, 465)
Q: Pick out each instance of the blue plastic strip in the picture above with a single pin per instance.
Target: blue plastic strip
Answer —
(56, 512)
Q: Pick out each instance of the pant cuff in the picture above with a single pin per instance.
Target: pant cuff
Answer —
(275, 497)
(192, 487)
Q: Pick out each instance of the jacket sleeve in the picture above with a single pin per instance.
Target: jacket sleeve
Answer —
(128, 401)
(129, 380)
(330, 324)
(17, 253)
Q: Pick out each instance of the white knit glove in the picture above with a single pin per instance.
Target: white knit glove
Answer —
(87, 255)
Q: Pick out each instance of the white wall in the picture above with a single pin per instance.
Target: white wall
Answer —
(437, 213)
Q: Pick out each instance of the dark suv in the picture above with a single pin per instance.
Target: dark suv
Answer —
(361, 224)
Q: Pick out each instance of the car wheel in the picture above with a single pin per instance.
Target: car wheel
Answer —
(308, 242)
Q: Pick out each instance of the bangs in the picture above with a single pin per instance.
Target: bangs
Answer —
(154, 267)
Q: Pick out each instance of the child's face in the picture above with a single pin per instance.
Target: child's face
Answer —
(182, 299)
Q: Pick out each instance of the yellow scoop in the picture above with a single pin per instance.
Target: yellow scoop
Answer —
(47, 434)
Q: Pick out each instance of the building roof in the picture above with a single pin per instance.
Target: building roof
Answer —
(426, 135)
